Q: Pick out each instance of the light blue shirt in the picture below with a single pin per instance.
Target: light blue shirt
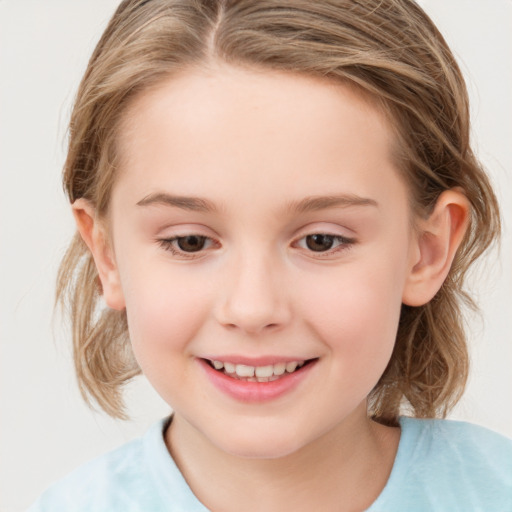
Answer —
(440, 466)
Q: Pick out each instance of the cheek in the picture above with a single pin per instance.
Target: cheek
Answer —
(357, 313)
(164, 311)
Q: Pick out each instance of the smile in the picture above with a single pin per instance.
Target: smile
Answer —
(263, 382)
(267, 373)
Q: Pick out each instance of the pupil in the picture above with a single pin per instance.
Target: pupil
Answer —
(319, 242)
(191, 243)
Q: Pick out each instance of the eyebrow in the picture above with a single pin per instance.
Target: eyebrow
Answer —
(316, 203)
(308, 204)
(196, 204)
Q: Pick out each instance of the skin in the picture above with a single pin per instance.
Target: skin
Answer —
(253, 144)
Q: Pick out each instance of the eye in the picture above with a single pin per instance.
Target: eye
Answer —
(323, 242)
(319, 242)
(190, 243)
(186, 246)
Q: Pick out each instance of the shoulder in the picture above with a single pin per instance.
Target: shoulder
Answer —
(138, 476)
(93, 485)
(446, 465)
(470, 446)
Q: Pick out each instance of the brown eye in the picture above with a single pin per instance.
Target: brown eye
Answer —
(191, 243)
(319, 242)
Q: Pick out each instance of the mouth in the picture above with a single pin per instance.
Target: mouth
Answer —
(267, 373)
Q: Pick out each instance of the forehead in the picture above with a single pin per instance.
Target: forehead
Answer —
(269, 131)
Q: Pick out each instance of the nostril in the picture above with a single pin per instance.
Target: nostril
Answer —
(251, 327)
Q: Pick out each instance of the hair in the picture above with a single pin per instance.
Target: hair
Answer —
(388, 49)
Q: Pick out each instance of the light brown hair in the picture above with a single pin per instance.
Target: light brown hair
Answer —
(389, 49)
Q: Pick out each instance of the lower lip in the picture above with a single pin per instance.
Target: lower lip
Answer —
(245, 391)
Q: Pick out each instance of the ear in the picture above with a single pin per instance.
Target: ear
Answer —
(435, 247)
(94, 234)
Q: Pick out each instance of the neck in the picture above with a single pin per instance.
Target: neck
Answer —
(349, 464)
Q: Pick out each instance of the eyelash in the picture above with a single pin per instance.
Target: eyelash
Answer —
(169, 244)
(344, 244)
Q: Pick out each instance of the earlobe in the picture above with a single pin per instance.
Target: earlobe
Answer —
(436, 244)
(94, 234)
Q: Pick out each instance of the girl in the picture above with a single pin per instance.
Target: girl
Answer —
(277, 205)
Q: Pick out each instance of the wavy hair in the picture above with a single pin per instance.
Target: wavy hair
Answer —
(388, 49)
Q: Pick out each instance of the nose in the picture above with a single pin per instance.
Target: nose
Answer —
(253, 295)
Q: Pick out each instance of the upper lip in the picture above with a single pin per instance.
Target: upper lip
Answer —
(256, 361)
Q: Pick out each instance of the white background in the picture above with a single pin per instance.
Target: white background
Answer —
(46, 430)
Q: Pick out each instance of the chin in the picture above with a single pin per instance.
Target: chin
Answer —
(258, 445)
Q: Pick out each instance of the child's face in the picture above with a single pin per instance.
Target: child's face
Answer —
(296, 246)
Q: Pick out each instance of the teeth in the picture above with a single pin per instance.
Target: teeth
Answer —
(279, 368)
(258, 373)
(230, 368)
(264, 371)
(290, 367)
(244, 371)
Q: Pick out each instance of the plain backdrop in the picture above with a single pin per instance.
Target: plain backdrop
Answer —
(46, 430)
